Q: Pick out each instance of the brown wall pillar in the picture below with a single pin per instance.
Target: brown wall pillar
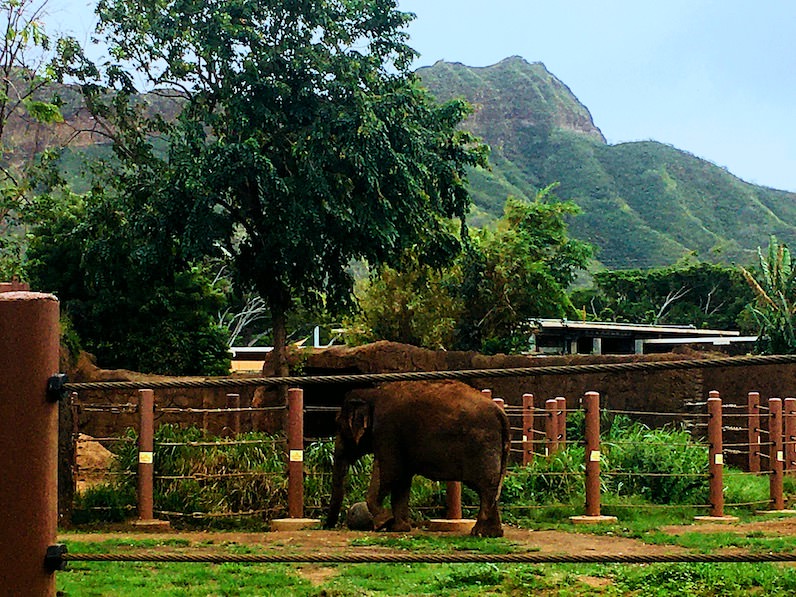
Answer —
(29, 345)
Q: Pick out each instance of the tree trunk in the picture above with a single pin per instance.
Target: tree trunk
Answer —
(282, 367)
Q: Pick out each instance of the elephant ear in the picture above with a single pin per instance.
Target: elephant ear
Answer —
(357, 419)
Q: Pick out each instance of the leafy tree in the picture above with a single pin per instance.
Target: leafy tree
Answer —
(519, 271)
(702, 294)
(411, 303)
(502, 280)
(774, 307)
(302, 139)
(133, 304)
(25, 61)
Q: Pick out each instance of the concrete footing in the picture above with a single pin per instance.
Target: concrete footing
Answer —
(592, 519)
(451, 525)
(151, 526)
(718, 519)
(294, 524)
(775, 512)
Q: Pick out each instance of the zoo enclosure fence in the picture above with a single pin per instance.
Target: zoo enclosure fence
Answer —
(537, 433)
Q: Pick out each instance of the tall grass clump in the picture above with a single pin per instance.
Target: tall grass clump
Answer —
(664, 465)
(197, 483)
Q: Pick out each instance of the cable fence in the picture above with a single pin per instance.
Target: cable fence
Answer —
(560, 456)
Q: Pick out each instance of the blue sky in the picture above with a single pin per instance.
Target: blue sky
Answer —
(716, 78)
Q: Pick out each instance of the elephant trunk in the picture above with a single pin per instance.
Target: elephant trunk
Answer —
(339, 473)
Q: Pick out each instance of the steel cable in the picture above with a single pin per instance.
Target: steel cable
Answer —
(366, 378)
(426, 558)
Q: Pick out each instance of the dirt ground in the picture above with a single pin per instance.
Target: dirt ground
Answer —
(576, 542)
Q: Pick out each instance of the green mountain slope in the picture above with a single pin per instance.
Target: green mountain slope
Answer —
(644, 204)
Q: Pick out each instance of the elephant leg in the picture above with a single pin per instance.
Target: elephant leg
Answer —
(377, 491)
(487, 523)
(399, 500)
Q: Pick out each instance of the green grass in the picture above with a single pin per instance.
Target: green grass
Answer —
(755, 542)
(436, 544)
(156, 580)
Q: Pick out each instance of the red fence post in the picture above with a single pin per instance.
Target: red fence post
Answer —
(775, 454)
(295, 446)
(29, 340)
(551, 427)
(591, 405)
(527, 429)
(716, 455)
(146, 449)
(716, 461)
(453, 500)
(295, 466)
(789, 423)
(561, 424)
(753, 414)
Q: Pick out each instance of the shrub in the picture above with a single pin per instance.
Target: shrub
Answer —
(663, 465)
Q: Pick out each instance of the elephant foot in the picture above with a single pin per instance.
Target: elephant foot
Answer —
(486, 530)
(383, 521)
(400, 526)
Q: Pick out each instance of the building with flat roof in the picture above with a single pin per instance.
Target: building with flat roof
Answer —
(563, 336)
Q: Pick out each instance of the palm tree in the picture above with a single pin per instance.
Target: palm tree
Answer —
(775, 299)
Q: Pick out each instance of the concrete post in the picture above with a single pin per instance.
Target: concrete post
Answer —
(29, 345)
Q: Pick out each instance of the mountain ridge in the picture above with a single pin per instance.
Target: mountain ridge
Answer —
(644, 203)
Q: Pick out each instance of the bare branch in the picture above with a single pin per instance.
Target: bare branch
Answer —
(671, 298)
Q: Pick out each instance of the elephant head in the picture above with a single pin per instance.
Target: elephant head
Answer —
(354, 439)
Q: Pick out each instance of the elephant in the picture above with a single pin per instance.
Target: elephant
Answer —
(443, 430)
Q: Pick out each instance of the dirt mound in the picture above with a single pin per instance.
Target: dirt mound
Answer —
(93, 462)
